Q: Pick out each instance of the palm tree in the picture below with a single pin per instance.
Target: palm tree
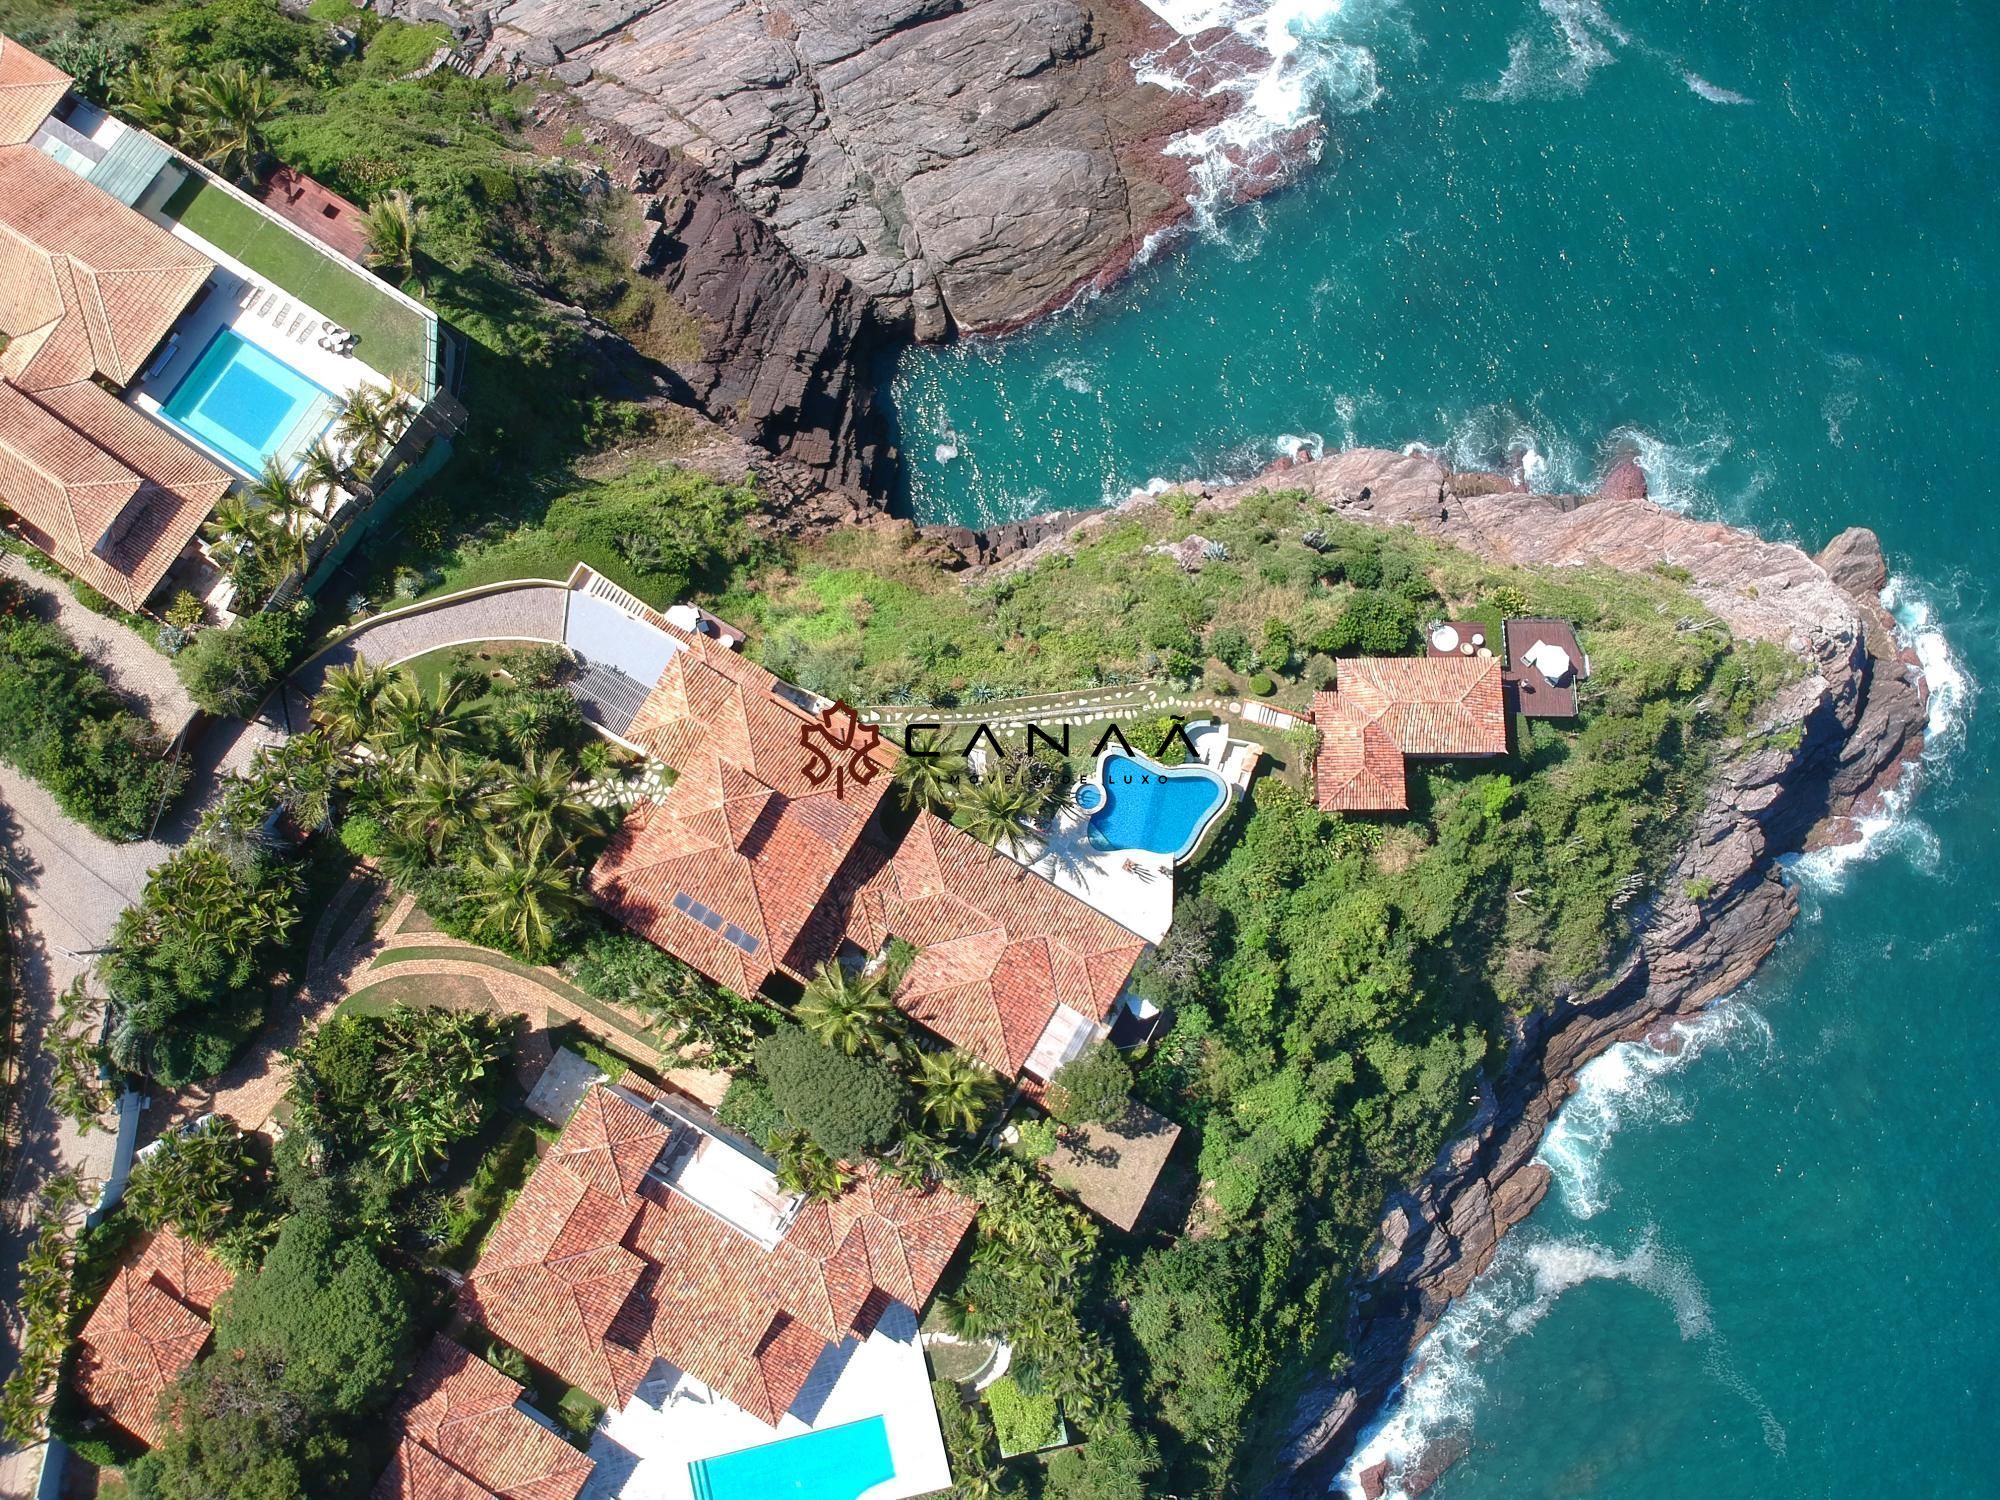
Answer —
(232, 105)
(350, 704)
(849, 1012)
(525, 892)
(542, 795)
(415, 723)
(246, 540)
(284, 500)
(155, 96)
(395, 223)
(996, 808)
(322, 471)
(805, 1167)
(407, 1145)
(930, 781)
(954, 1090)
(366, 413)
(448, 794)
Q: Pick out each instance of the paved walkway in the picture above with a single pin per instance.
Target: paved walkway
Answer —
(132, 663)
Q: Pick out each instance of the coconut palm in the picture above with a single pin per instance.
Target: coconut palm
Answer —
(954, 1090)
(323, 471)
(364, 421)
(525, 892)
(448, 795)
(416, 723)
(995, 810)
(301, 775)
(155, 96)
(849, 1011)
(231, 106)
(284, 499)
(350, 704)
(930, 781)
(246, 542)
(542, 795)
(395, 224)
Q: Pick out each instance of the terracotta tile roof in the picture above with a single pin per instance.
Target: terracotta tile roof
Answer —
(150, 1325)
(999, 948)
(29, 88)
(673, 1281)
(463, 1436)
(103, 489)
(87, 285)
(1384, 709)
(725, 872)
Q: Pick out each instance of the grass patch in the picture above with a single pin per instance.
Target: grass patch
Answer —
(958, 1363)
(487, 958)
(457, 991)
(393, 338)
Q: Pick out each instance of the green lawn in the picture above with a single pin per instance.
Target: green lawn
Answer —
(393, 338)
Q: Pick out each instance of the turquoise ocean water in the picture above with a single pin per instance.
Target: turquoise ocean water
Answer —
(1754, 243)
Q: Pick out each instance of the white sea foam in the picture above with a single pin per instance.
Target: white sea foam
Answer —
(946, 452)
(1074, 375)
(1529, 1275)
(1674, 470)
(1714, 93)
(1532, 1269)
(1891, 827)
(1540, 65)
(1631, 1082)
(1303, 58)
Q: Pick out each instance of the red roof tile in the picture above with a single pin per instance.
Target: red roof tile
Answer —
(149, 1326)
(1383, 710)
(998, 948)
(462, 1435)
(744, 831)
(691, 1289)
(88, 286)
(29, 88)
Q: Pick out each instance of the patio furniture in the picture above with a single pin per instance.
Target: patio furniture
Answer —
(1444, 638)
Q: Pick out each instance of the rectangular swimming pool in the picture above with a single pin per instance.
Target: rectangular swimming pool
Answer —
(245, 403)
(834, 1463)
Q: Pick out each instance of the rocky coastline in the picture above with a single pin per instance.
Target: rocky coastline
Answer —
(1831, 748)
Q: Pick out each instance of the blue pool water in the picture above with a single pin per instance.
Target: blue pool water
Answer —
(1152, 808)
(834, 1463)
(242, 402)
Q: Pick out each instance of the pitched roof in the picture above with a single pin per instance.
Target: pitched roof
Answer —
(29, 88)
(150, 1325)
(87, 285)
(107, 492)
(1384, 709)
(462, 1435)
(724, 873)
(596, 1275)
(999, 948)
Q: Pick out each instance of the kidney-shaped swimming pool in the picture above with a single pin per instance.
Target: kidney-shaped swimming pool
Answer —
(1136, 803)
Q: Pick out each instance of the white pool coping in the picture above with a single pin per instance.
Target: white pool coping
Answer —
(643, 1451)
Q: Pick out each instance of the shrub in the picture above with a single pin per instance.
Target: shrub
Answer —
(1094, 1087)
(61, 724)
(1279, 644)
(337, 1319)
(363, 836)
(1507, 600)
(747, 1109)
(1023, 1423)
(851, 1106)
(1231, 646)
(228, 672)
(1373, 623)
(1261, 686)
(184, 610)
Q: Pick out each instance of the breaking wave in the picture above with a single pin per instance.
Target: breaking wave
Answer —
(1559, 58)
(1433, 1412)
(1280, 66)
(1891, 827)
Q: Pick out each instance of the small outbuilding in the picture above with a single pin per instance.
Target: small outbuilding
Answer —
(1113, 1169)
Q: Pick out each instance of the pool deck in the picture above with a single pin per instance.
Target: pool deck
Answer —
(226, 307)
(1130, 886)
(644, 1450)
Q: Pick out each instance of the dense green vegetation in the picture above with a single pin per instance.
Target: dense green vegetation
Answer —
(61, 723)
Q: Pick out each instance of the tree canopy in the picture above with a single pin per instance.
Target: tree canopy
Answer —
(851, 1106)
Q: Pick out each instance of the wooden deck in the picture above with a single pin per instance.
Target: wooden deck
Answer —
(1528, 691)
(318, 211)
